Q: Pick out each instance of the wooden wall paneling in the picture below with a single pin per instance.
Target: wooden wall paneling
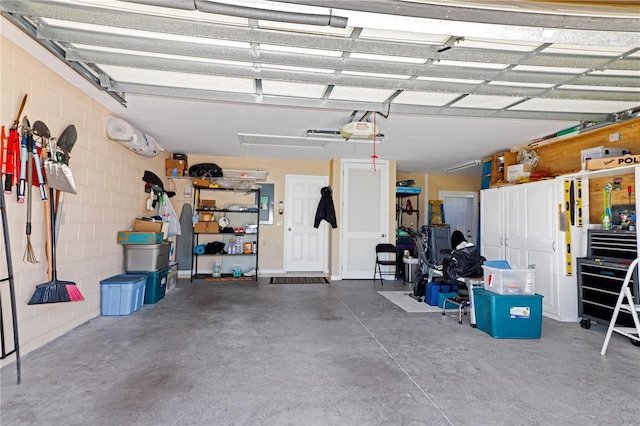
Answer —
(564, 156)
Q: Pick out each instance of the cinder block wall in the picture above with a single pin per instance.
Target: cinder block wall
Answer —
(110, 194)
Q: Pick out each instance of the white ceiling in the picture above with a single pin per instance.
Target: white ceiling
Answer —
(447, 82)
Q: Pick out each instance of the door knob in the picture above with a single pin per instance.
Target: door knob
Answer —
(288, 229)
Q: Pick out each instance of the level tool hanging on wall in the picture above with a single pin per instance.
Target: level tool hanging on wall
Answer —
(568, 210)
(579, 202)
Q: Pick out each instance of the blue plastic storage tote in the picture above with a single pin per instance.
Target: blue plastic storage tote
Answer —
(122, 294)
(508, 316)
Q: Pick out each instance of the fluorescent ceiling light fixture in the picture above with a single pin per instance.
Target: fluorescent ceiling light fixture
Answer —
(282, 141)
(335, 136)
(462, 166)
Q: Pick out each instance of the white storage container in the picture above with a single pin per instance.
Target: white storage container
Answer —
(510, 281)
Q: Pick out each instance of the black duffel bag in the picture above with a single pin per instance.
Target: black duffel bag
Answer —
(205, 170)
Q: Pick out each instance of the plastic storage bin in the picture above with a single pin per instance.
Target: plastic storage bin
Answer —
(122, 294)
(146, 257)
(508, 317)
(155, 286)
(509, 281)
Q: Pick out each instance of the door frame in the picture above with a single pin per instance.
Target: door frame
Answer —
(474, 214)
(324, 227)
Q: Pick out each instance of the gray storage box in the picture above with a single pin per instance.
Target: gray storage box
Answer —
(146, 257)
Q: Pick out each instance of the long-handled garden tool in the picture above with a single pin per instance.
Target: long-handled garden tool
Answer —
(65, 143)
(29, 254)
(13, 146)
(22, 183)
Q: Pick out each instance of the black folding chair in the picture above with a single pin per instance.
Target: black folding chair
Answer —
(386, 255)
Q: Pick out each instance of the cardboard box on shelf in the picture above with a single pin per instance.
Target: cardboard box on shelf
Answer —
(147, 226)
(613, 162)
(518, 170)
(206, 227)
(175, 164)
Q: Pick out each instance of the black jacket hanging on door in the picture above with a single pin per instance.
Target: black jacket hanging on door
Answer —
(325, 210)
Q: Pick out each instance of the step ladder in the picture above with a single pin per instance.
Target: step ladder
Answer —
(625, 303)
(436, 212)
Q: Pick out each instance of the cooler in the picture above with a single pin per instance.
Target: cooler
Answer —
(508, 316)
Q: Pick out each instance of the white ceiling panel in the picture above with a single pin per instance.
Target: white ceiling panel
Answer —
(299, 50)
(387, 58)
(404, 36)
(375, 75)
(360, 94)
(470, 64)
(519, 84)
(490, 102)
(184, 80)
(282, 88)
(425, 98)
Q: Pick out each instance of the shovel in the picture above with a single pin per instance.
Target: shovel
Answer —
(66, 141)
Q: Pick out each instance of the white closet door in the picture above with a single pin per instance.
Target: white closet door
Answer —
(491, 224)
(540, 222)
(365, 216)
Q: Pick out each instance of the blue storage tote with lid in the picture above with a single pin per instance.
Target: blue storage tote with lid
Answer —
(508, 316)
(156, 284)
(122, 294)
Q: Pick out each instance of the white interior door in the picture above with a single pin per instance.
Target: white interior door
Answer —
(461, 212)
(365, 216)
(305, 247)
(492, 224)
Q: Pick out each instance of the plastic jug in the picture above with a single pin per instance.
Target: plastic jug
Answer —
(216, 270)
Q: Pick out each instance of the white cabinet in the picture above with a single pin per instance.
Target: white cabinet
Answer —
(519, 223)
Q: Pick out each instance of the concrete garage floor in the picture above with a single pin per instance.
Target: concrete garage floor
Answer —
(249, 353)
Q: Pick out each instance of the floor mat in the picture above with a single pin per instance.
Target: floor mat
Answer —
(409, 304)
(299, 280)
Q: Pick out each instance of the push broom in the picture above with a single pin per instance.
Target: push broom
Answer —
(54, 291)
